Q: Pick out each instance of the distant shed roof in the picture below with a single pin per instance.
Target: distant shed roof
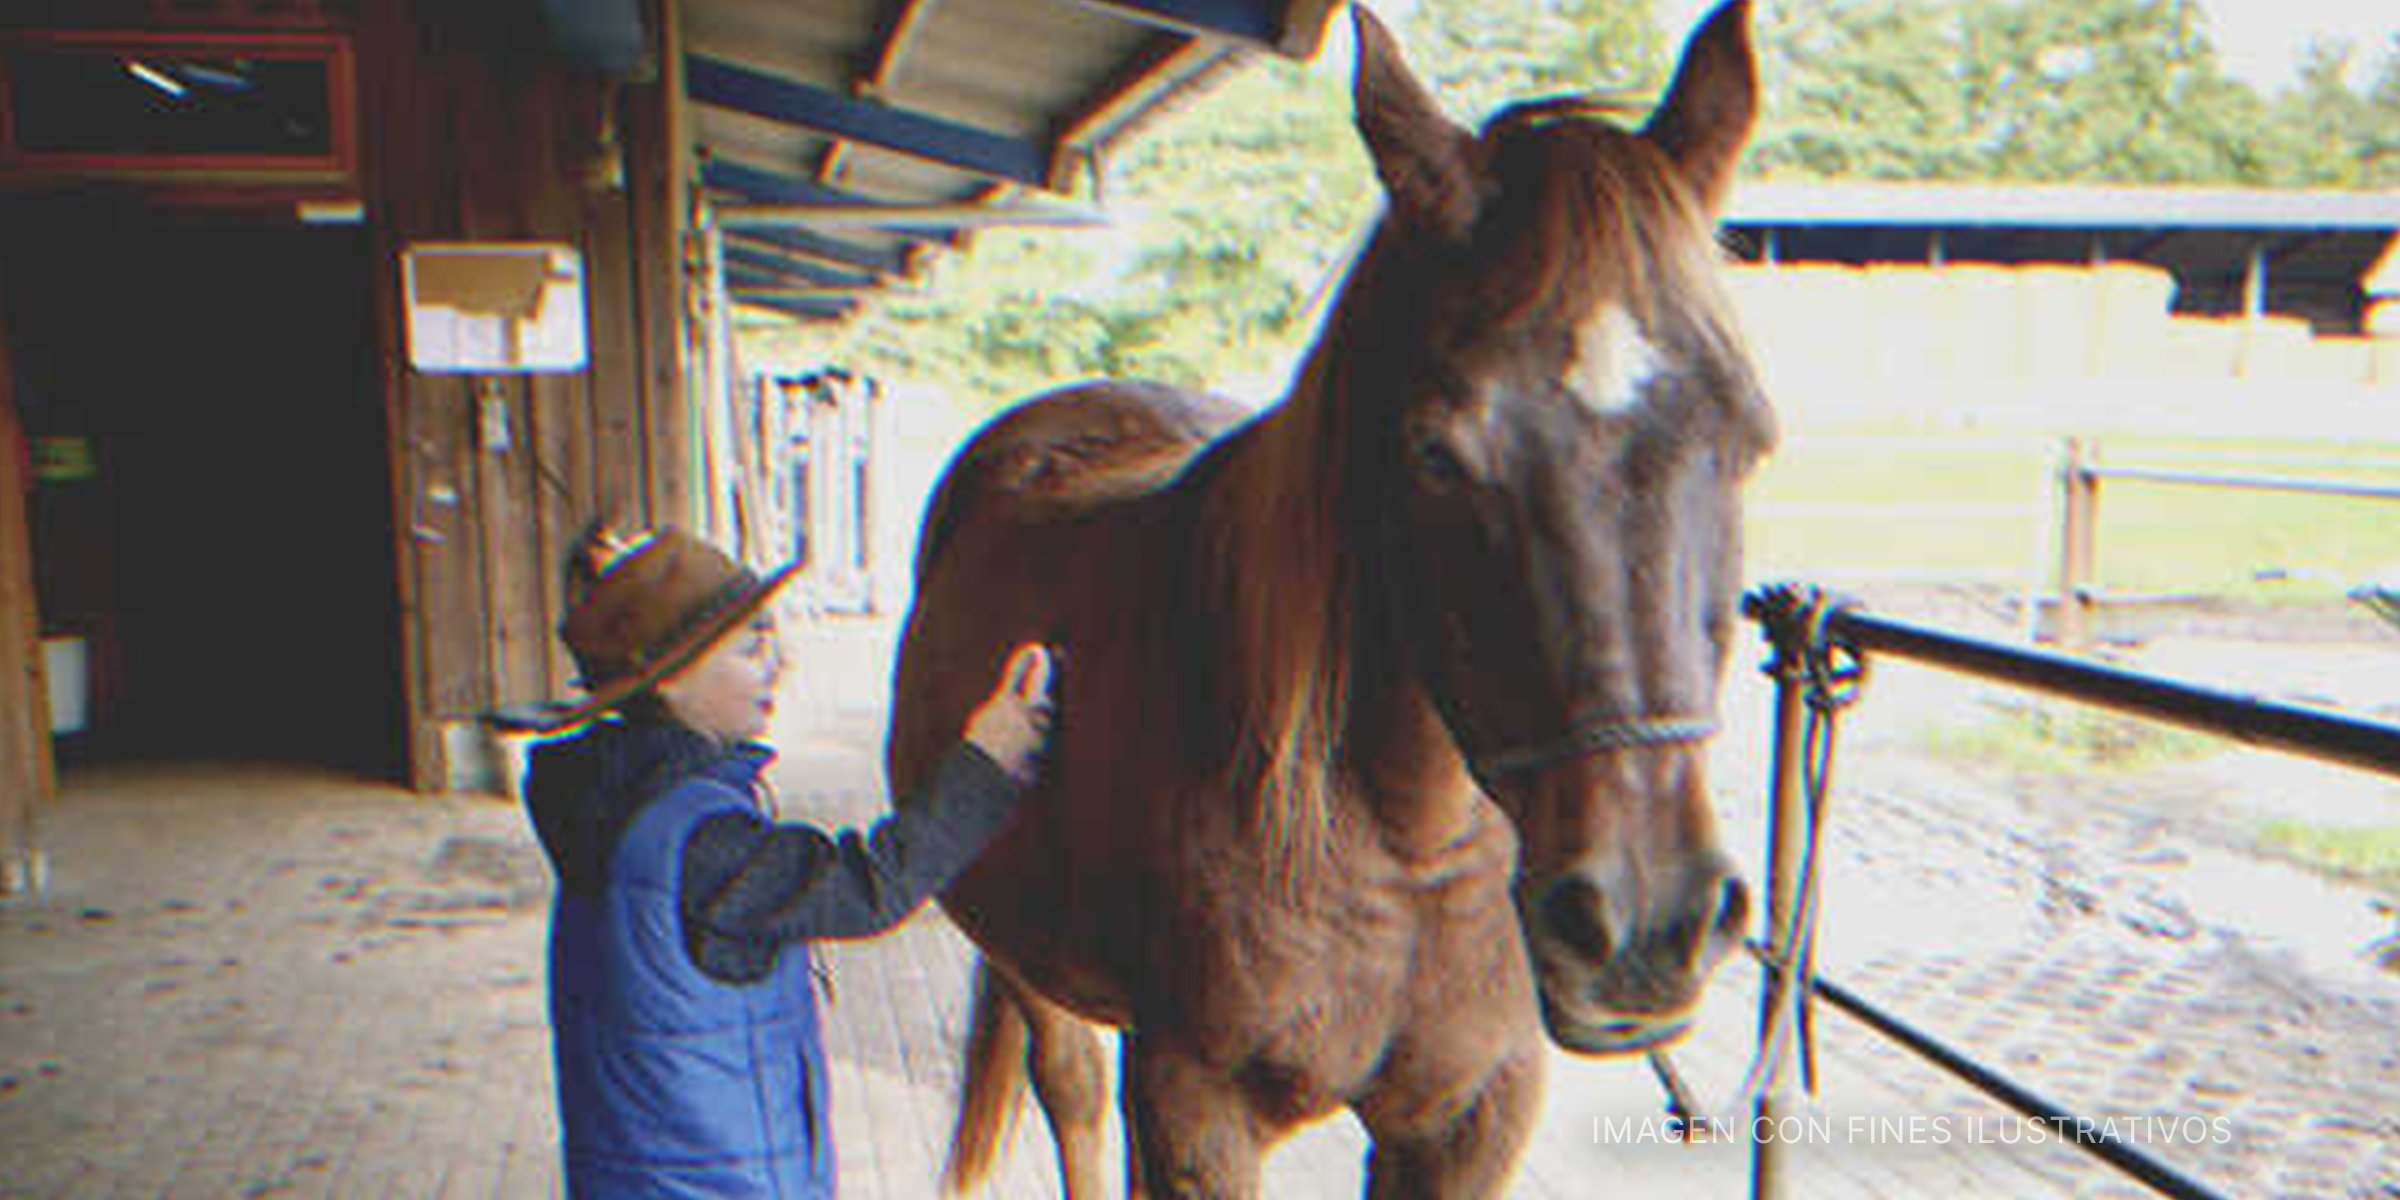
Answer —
(2316, 250)
(2055, 206)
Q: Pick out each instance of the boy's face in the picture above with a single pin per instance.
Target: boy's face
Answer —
(728, 692)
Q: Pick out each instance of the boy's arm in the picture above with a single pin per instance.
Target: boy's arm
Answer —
(758, 884)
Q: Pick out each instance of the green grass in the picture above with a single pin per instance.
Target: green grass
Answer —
(2040, 737)
(1972, 508)
(2368, 852)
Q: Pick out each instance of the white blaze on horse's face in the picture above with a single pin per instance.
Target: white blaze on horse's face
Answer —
(1614, 364)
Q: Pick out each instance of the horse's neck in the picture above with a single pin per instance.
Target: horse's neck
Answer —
(1399, 761)
(1414, 780)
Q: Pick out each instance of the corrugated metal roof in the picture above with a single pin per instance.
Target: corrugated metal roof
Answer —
(959, 110)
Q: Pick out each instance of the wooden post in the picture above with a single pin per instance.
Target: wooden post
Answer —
(2078, 543)
(27, 777)
(658, 138)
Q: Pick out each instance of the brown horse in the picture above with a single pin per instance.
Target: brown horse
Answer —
(1381, 713)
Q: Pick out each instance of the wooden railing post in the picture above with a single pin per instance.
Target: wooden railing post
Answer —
(2078, 544)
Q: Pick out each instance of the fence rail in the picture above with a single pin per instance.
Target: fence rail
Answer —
(2079, 477)
(1810, 633)
(2261, 483)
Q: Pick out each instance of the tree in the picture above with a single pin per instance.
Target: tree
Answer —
(2381, 150)
(2126, 91)
(2320, 124)
(1478, 56)
(1863, 89)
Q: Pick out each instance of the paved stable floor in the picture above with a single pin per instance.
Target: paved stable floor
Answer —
(250, 981)
(262, 981)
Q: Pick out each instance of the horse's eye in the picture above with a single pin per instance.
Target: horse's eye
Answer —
(1436, 463)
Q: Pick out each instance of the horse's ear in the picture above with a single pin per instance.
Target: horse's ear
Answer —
(1708, 111)
(1426, 160)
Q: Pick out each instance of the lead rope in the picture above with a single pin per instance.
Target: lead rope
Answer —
(1832, 672)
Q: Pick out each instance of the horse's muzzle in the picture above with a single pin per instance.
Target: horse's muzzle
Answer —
(1620, 968)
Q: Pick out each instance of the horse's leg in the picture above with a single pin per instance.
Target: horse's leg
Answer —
(1070, 1078)
(1470, 1153)
(1198, 1136)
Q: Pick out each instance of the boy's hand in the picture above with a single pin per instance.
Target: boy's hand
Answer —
(1013, 725)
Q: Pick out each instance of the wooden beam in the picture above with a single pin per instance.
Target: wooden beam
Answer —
(921, 135)
(1258, 22)
(762, 186)
(754, 294)
(1164, 61)
(895, 33)
(1292, 28)
(890, 216)
(807, 309)
(798, 243)
(743, 257)
(661, 162)
(772, 187)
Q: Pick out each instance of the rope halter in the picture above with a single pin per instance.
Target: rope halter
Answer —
(1602, 736)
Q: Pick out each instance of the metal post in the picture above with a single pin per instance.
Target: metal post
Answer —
(1786, 850)
(2077, 545)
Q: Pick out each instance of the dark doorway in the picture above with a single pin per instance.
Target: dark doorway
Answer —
(213, 517)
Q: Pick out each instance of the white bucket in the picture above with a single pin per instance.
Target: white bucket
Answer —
(67, 660)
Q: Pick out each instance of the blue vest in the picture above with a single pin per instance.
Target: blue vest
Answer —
(670, 1083)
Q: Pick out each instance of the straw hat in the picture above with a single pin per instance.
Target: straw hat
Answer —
(640, 609)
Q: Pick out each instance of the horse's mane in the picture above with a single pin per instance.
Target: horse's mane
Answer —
(1584, 214)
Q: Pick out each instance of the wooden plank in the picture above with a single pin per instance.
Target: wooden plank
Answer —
(400, 184)
(496, 135)
(557, 431)
(26, 770)
(441, 433)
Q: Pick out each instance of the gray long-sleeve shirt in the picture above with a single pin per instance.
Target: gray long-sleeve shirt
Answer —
(751, 886)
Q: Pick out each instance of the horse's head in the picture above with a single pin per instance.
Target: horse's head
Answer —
(1563, 417)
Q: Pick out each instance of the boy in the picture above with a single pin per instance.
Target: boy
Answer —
(686, 1041)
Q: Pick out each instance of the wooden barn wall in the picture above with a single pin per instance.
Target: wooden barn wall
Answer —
(473, 131)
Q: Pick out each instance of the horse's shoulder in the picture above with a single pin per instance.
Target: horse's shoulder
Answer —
(1073, 450)
(1100, 439)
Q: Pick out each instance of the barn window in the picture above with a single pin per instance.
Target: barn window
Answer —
(242, 107)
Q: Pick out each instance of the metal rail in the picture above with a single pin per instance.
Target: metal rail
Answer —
(2078, 533)
(2260, 483)
(2309, 732)
(1807, 631)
